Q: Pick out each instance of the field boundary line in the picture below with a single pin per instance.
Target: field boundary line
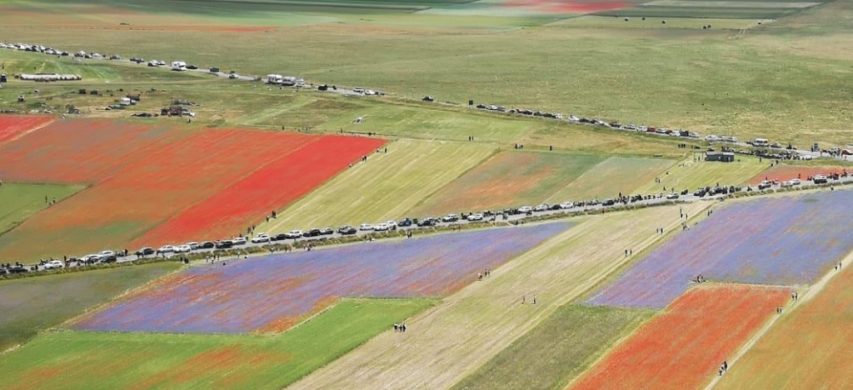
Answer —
(811, 292)
(23, 133)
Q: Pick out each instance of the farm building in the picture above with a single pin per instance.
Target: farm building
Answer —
(720, 156)
(49, 77)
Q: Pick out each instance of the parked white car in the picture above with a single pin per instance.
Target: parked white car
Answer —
(525, 209)
(365, 227)
(381, 227)
(474, 217)
(542, 207)
(566, 205)
(238, 241)
(294, 234)
(261, 237)
(182, 249)
(166, 249)
(53, 264)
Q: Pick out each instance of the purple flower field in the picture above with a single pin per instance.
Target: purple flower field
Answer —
(274, 292)
(780, 241)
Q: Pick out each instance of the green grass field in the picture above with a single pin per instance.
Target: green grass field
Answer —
(385, 187)
(30, 305)
(695, 172)
(716, 81)
(81, 360)
(555, 351)
(612, 176)
(19, 201)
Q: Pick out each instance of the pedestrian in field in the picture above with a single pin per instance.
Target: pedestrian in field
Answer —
(523, 299)
(534, 299)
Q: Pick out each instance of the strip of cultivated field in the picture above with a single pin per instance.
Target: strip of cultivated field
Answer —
(489, 315)
(77, 360)
(555, 351)
(509, 179)
(787, 172)
(14, 126)
(19, 201)
(612, 176)
(783, 240)
(808, 349)
(691, 174)
(683, 347)
(384, 187)
(30, 305)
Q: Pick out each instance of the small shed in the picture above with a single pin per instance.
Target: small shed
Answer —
(720, 156)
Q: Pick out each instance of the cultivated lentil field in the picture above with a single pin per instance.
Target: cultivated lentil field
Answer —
(155, 185)
(683, 347)
(785, 240)
(272, 293)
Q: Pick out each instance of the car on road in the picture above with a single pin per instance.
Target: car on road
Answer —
(224, 244)
(237, 241)
(91, 258)
(193, 245)
(406, 222)
(207, 245)
(182, 248)
(347, 230)
(474, 217)
(261, 237)
(525, 209)
(566, 205)
(450, 218)
(107, 253)
(327, 231)
(146, 251)
(365, 227)
(166, 249)
(311, 233)
(17, 269)
(294, 234)
(672, 196)
(427, 222)
(381, 227)
(542, 207)
(53, 264)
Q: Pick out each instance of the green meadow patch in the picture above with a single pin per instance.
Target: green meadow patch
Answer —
(76, 360)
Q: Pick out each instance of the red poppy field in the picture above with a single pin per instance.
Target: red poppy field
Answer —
(12, 126)
(788, 172)
(200, 183)
(683, 347)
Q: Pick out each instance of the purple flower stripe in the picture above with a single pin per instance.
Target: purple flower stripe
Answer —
(258, 294)
(780, 241)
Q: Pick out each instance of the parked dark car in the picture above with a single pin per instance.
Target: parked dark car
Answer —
(207, 245)
(109, 259)
(347, 230)
(224, 244)
(145, 252)
(279, 237)
(406, 222)
(327, 231)
(427, 222)
(192, 67)
(312, 233)
(19, 269)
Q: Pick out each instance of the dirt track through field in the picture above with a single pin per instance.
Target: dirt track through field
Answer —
(447, 343)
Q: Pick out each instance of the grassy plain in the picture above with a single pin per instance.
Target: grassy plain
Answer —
(556, 350)
(30, 305)
(807, 348)
(18, 201)
(76, 360)
(489, 315)
(384, 187)
(722, 81)
(695, 172)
